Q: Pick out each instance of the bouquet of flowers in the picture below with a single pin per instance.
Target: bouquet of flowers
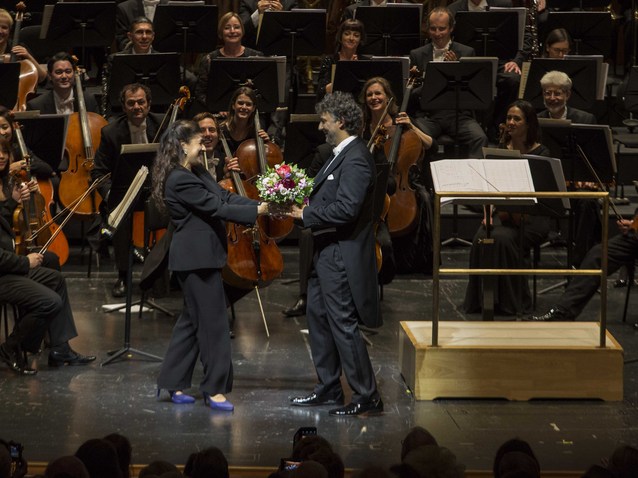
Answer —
(285, 185)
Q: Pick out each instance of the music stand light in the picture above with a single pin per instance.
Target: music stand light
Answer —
(88, 24)
(158, 71)
(228, 74)
(9, 79)
(591, 32)
(392, 30)
(350, 76)
(582, 71)
(489, 33)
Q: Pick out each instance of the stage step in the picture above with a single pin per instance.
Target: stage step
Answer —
(512, 360)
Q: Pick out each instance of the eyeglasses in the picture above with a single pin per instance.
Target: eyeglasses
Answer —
(553, 93)
(559, 51)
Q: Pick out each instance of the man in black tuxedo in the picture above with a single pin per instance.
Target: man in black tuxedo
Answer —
(127, 11)
(557, 89)
(40, 295)
(249, 11)
(442, 48)
(343, 289)
(61, 99)
(135, 126)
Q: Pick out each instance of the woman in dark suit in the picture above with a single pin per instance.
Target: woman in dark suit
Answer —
(198, 207)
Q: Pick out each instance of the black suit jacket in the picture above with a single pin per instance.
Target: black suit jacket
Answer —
(126, 12)
(198, 207)
(421, 56)
(10, 262)
(342, 198)
(575, 115)
(45, 103)
(461, 5)
(114, 135)
(246, 9)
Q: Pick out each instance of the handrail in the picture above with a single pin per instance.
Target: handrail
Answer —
(437, 271)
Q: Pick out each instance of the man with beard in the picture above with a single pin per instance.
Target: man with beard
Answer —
(557, 88)
(342, 290)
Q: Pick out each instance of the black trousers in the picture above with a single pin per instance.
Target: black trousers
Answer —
(621, 249)
(42, 299)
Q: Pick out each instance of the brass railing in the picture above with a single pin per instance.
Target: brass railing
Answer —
(437, 271)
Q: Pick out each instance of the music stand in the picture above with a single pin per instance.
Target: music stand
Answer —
(580, 71)
(127, 166)
(260, 73)
(459, 86)
(569, 4)
(186, 28)
(591, 32)
(45, 136)
(9, 79)
(350, 76)
(393, 30)
(158, 71)
(87, 24)
(303, 137)
(490, 33)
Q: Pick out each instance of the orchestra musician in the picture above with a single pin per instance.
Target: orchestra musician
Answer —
(343, 288)
(558, 43)
(442, 48)
(198, 207)
(230, 31)
(21, 52)
(38, 291)
(136, 126)
(126, 12)
(511, 293)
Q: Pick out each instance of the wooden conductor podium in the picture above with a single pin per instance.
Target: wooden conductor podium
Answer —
(513, 360)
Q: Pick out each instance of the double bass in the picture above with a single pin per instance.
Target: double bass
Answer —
(255, 157)
(28, 71)
(253, 259)
(82, 139)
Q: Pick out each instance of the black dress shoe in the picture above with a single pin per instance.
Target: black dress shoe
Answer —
(313, 400)
(553, 315)
(70, 357)
(119, 289)
(15, 360)
(374, 407)
(298, 309)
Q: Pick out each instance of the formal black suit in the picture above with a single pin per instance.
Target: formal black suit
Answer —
(45, 103)
(107, 156)
(575, 115)
(441, 122)
(198, 208)
(462, 5)
(126, 12)
(343, 287)
(39, 293)
(246, 10)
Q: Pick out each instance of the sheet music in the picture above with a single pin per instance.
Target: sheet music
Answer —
(524, 76)
(47, 13)
(483, 175)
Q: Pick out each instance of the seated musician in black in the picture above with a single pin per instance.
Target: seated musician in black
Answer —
(38, 292)
(511, 293)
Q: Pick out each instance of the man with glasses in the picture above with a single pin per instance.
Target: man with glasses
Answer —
(557, 88)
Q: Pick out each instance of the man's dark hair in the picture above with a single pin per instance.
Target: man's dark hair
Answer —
(60, 56)
(133, 87)
(342, 106)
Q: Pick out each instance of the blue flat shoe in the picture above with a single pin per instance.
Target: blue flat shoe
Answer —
(224, 406)
(179, 398)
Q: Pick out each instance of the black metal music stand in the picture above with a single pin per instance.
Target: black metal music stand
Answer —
(158, 71)
(392, 30)
(9, 79)
(45, 136)
(88, 24)
(580, 4)
(490, 33)
(350, 76)
(260, 73)
(591, 32)
(292, 33)
(303, 137)
(580, 70)
(125, 170)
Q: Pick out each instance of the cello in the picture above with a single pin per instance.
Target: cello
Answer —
(403, 153)
(82, 139)
(254, 260)
(28, 71)
(255, 157)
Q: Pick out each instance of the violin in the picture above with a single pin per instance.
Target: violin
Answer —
(254, 260)
(403, 153)
(82, 139)
(28, 71)
(255, 157)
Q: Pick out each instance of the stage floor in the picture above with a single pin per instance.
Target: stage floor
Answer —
(55, 411)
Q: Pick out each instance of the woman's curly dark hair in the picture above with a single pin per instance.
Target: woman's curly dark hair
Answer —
(342, 106)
